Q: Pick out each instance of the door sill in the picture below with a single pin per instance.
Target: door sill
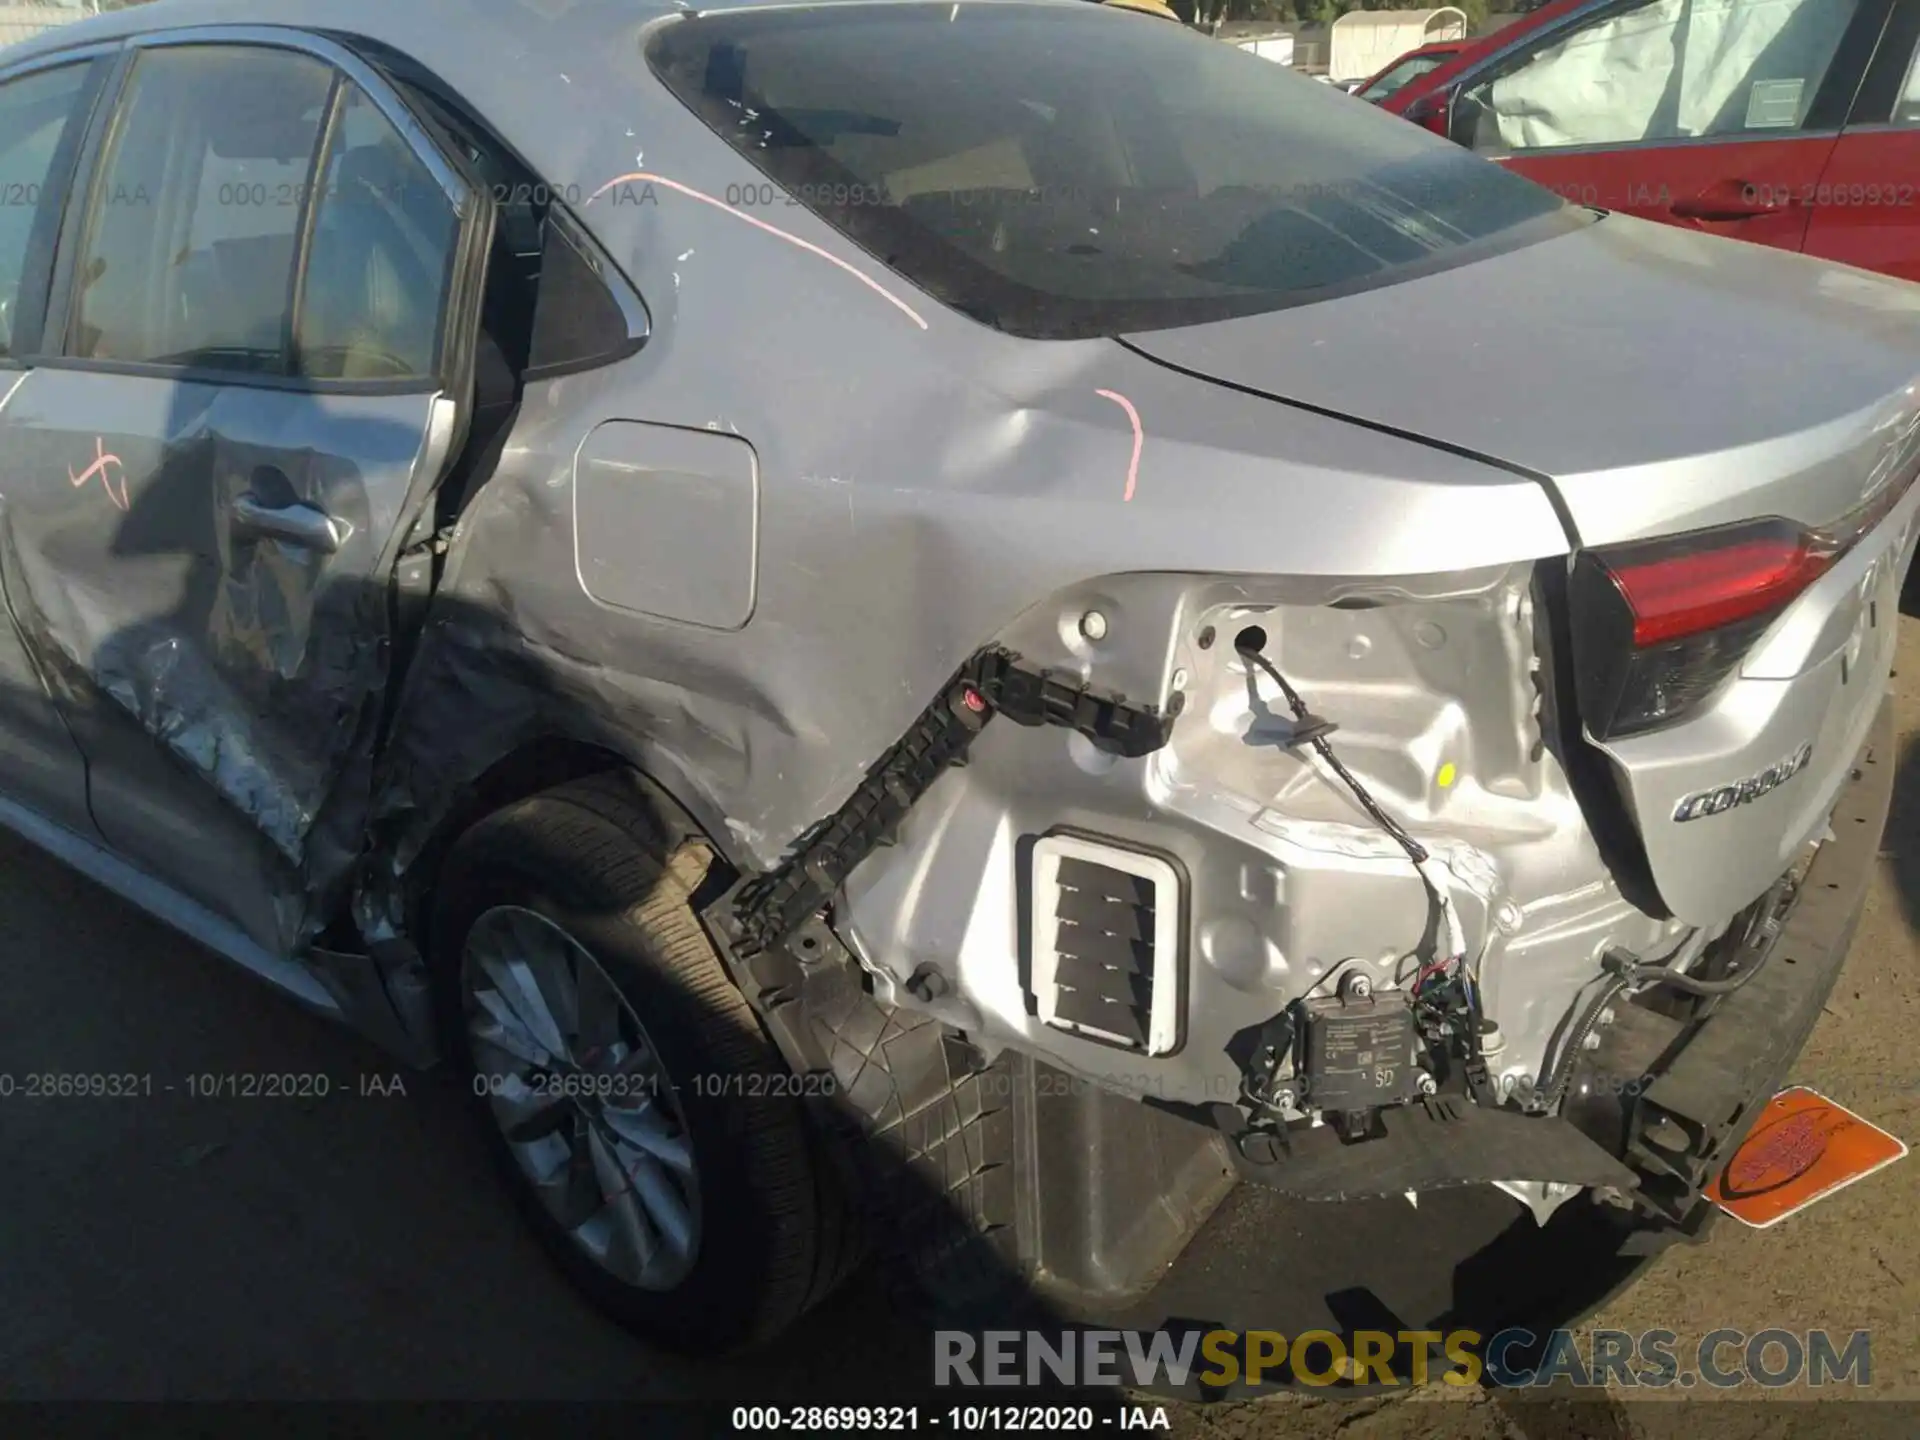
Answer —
(167, 905)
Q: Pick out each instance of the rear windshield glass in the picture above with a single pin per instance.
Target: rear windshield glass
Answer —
(1075, 170)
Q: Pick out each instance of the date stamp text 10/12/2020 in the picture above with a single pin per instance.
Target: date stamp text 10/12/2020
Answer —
(199, 1085)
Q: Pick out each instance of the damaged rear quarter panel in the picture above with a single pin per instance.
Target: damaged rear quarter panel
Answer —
(919, 489)
(1288, 883)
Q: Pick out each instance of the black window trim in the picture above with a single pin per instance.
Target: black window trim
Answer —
(1894, 58)
(408, 76)
(344, 64)
(1826, 115)
(69, 162)
(317, 164)
(563, 229)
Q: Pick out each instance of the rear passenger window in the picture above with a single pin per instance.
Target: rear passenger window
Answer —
(196, 212)
(578, 322)
(382, 258)
(36, 113)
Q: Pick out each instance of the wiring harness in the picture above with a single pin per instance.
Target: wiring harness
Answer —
(1444, 991)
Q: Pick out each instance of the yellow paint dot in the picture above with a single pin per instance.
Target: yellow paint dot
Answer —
(1446, 775)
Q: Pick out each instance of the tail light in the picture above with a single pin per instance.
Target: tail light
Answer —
(1658, 626)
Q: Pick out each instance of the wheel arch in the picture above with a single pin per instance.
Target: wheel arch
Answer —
(531, 767)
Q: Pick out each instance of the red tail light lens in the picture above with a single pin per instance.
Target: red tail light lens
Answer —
(1674, 595)
(1659, 626)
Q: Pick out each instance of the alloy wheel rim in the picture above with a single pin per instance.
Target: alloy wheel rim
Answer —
(581, 1097)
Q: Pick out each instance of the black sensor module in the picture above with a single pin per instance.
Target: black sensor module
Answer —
(1358, 1054)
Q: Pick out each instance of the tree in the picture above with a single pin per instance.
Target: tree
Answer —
(1210, 15)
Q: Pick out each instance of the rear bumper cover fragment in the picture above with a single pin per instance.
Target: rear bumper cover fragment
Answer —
(1699, 1106)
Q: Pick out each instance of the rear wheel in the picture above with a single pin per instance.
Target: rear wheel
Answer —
(639, 1112)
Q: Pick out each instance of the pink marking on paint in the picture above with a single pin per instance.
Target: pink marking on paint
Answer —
(807, 245)
(99, 468)
(1139, 438)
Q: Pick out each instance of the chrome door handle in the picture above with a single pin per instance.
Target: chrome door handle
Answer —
(298, 523)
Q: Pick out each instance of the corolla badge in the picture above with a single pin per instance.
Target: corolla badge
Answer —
(1725, 797)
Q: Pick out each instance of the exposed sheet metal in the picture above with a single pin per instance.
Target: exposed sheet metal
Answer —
(889, 547)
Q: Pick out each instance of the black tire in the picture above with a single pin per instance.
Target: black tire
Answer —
(601, 859)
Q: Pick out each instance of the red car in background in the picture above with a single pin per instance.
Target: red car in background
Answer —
(1793, 123)
(1422, 60)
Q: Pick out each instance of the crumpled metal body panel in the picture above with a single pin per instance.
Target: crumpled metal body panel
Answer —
(926, 485)
(1289, 885)
(911, 504)
(227, 673)
(980, 488)
(901, 527)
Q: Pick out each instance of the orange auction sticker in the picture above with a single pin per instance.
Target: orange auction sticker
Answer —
(1801, 1149)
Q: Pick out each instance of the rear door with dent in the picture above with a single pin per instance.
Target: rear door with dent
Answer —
(265, 312)
(45, 104)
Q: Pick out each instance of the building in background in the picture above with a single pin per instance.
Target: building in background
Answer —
(21, 18)
(1364, 42)
(1278, 48)
(1311, 39)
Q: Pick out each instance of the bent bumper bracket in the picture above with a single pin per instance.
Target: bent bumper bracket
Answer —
(770, 907)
